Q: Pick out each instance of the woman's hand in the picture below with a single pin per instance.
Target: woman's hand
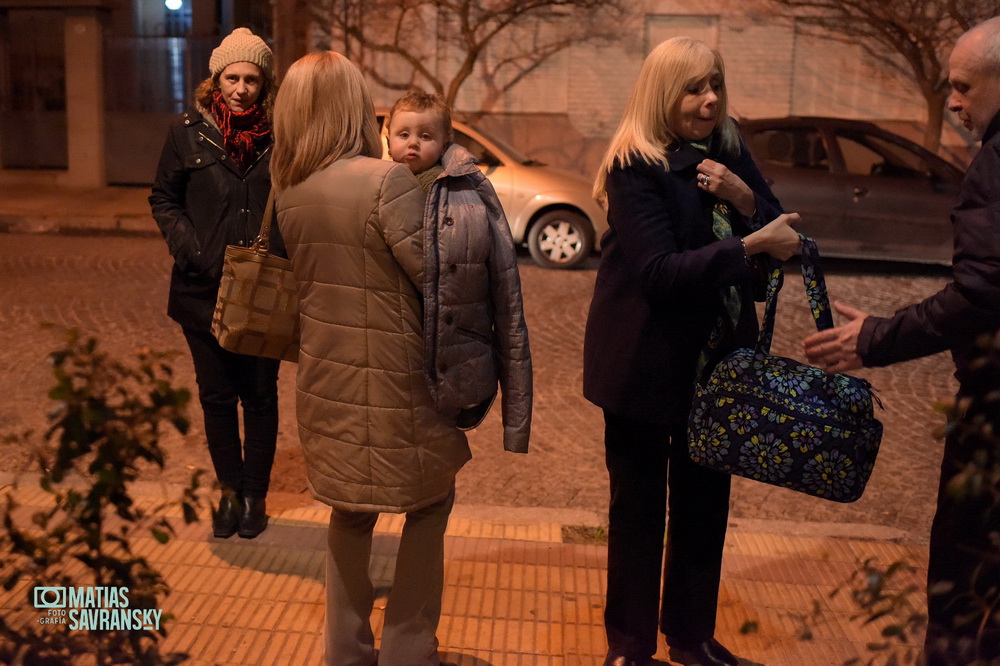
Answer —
(776, 238)
(716, 178)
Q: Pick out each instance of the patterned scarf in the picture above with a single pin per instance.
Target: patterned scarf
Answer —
(731, 297)
(243, 133)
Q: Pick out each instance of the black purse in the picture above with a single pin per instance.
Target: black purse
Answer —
(779, 421)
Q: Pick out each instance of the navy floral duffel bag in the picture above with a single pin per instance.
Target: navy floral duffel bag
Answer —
(779, 421)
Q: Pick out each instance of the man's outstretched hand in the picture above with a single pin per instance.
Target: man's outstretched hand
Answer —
(836, 349)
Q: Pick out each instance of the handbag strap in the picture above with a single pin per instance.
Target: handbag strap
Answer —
(263, 242)
(815, 284)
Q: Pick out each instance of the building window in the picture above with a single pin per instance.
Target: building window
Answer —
(178, 18)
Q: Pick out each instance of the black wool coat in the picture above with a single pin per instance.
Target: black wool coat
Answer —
(203, 202)
(659, 285)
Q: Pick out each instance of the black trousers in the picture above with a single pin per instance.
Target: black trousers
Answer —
(645, 460)
(225, 378)
(963, 573)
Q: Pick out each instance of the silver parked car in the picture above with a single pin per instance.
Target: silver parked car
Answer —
(863, 192)
(549, 210)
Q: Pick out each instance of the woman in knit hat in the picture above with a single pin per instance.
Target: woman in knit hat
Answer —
(211, 188)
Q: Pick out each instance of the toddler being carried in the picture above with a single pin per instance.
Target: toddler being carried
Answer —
(474, 331)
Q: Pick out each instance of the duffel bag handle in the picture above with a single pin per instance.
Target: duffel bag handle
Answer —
(815, 284)
(263, 242)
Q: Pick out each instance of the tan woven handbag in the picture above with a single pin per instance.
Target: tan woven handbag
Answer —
(257, 312)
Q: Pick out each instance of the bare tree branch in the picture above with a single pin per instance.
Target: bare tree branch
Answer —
(402, 44)
(521, 67)
(910, 37)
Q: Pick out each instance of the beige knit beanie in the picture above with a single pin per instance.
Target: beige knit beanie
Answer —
(242, 46)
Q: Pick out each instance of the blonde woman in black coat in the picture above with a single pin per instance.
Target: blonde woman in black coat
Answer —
(690, 219)
(210, 191)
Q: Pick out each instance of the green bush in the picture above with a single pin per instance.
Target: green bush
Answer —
(971, 617)
(107, 424)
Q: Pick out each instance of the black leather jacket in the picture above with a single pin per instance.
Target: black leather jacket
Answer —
(202, 202)
(969, 305)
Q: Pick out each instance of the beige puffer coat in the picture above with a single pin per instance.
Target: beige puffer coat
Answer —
(369, 431)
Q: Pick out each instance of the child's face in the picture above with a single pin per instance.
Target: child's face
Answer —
(416, 139)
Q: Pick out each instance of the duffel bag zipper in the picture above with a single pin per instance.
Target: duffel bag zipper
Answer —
(856, 422)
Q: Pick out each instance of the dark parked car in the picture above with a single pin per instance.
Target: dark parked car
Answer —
(863, 192)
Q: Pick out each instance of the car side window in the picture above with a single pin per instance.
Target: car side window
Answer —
(799, 147)
(482, 154)
(868, 155)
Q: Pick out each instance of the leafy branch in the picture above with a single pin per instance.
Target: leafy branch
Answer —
(106, 426)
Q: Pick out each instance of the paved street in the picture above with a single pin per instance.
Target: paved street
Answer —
(115, 288)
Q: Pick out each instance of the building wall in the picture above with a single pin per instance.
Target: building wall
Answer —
(563, 113)
(773, 69)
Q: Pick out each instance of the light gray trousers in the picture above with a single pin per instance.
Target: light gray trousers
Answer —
(413, 608)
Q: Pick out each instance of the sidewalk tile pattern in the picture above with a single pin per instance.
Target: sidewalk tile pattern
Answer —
(514, 594)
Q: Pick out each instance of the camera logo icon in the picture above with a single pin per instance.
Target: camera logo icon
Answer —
(50, 597)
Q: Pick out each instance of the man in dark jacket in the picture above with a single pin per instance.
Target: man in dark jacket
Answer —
(964, 573)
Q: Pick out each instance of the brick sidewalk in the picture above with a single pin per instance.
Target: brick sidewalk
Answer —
(515, 594)
(33, 202)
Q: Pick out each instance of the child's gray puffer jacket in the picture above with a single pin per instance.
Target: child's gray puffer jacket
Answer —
(474, 330)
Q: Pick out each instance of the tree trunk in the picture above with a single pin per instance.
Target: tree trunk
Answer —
(291, 28)
(935, 120)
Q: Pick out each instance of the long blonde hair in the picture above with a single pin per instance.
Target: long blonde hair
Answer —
(645, 129)
(323, 113)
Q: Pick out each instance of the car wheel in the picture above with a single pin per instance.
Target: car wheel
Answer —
(560, 239)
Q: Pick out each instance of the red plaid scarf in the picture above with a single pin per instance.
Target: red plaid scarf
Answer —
(242, 133)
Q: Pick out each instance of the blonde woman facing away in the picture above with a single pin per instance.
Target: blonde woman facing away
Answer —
(372, 439)
(692, 223)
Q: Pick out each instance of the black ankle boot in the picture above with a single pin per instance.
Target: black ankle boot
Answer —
(706, 653)
(226, 518)
(253, 516)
